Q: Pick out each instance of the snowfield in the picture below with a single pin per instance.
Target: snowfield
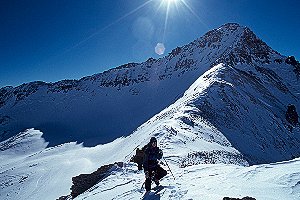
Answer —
(46, 174)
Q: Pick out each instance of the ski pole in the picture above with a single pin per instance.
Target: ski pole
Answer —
(143, 185)
(130, 153)
(169, 168)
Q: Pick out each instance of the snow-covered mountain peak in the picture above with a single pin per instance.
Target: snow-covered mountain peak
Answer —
(242, 47)
(91, 107)
(230, 27)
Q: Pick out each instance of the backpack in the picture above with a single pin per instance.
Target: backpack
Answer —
(139, 157)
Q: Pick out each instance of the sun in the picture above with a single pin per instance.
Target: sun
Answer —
(169, 2)
(169, 6)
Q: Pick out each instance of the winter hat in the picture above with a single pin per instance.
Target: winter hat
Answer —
(153, 139)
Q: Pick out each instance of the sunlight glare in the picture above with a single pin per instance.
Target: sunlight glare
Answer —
(169, 1)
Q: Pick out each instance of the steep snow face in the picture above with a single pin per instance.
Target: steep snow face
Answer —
(248, 104)
(102, 107)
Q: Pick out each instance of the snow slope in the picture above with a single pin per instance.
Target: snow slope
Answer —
(206, 181)
(47, 174)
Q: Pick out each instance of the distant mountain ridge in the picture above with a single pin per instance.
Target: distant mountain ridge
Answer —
(102, 107)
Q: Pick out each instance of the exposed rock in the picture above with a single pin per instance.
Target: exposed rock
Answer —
(291, 115)
(5, 93)
(83, 182)
(292, 61)
(63, 86)
(279, 61)
(213, 157)
(25, 90)
(4, 119)
(175, 52)
(244, 198)
(68, 197)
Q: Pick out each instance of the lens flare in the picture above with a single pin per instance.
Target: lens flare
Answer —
(160, 49)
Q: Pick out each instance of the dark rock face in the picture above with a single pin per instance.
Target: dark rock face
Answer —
(4, 119)
(291, 115)
(213, 157)
(64, 197)
(244, 198)
(292, 61)
(84, 182)
(279, 61)
(63, 86)
(25, 90)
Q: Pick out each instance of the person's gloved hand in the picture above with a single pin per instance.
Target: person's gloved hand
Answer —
(160, 154)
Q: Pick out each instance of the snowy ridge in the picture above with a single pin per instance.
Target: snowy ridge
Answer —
(236, 105)
(211, 182)
(86, 110)
(24, 141)
(220, 107)
(184, 134)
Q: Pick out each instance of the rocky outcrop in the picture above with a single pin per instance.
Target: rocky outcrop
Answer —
(244, 198)
(213, 157)
(292, 61)
(68, 197)
(83, 182)
(291, 115)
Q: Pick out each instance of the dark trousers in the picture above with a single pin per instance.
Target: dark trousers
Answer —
(155, 174)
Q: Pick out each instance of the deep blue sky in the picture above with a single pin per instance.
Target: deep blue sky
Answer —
(51, 40)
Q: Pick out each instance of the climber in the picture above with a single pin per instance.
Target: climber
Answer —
(153, 171)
